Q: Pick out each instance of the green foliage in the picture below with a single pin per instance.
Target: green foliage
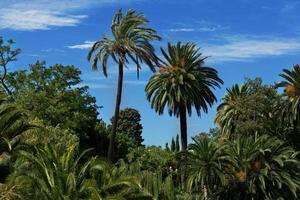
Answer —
(7, 55)
(290, 106)
(264, 168)
(291, 84)
(182, 78)
(131, 40)
(129, 132)
(53, 94)
(250, 108)
(60, 139)
(13, 126)
(261, 167)
(154, 158)
(47, 115)
(50, 175)
(205, 164)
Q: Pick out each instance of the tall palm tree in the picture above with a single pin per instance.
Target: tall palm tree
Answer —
(130, 41)
(229, 111)
(182, 83)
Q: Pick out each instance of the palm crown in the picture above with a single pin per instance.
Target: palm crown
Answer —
(229, 111)
(182, 83)
(292, 91)
(182, 79)
(130, 40)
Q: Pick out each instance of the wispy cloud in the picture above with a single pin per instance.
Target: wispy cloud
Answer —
(248, 48)
(182, 30)
(289, 6)
(36, 20)
(198, 26)
(55, 50)
(29, 15)
(85, 45)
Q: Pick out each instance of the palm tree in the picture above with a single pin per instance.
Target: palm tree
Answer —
(291, 85)
(229, 111)
(182, 83)
(263, 167)
(130, 41)
(50, 175)
(12, 126)
(206, 162)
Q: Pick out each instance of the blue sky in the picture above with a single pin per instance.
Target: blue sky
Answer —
(244, 38)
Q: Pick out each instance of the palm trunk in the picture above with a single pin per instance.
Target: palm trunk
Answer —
(183, 129)
(116, 116)
(183, 126)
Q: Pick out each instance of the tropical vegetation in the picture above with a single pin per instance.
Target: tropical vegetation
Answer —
(55, 146)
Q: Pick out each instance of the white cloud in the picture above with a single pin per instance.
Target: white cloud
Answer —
(36, 20)
(241, 49)
(86, 45)
(55, 50)
(198, 26)
(182, 29)
(28, 15)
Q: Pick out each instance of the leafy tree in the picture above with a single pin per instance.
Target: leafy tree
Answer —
(250, 108)
(154, 159)
(53, 94)
(183, 82)
(131, 40)
(129, 132)
(7, 55)
(60, 139)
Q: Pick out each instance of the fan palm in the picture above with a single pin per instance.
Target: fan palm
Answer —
(130, 41)
(182, 83)
(229, 111)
